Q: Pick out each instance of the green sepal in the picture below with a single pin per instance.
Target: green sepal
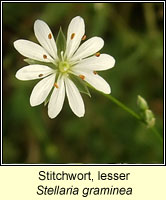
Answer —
(60, 42)
(81, 85)
(35, 62)
(48, 97)
(46, 101)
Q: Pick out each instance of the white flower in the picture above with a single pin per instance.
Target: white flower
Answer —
(75, 60)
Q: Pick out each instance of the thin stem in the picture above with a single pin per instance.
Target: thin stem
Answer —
(157, 134)
(124, 107)
(130, 111)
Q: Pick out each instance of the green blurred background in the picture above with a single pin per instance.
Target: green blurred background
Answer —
(133, 35)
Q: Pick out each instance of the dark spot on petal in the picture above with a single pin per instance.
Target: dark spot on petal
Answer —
(55, 85)
(44, 56)
(72, 35)
(82, 77)
(49, 36)
(97, 54)
(84, 37)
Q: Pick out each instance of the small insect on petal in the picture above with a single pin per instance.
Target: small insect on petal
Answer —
(82, 77)
(95, 72)
(44, 56)
(97, 54)
(72, 35)
(84, 37)
(49, 36)
(40, 75)
(55, 85)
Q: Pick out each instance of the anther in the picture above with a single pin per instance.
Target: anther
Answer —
(49, 36)
(55, 85)
(72, 35)
(84, 37)
(44, 56)
(97, 54)
(40, 75)
(95, 72)
(82, 77)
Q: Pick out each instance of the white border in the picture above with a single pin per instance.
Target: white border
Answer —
(164, 81)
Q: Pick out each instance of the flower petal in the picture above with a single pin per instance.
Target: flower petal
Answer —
(75, 32)
(88, 48)
(32, 72)
(95, 80)
(103, 62)
(57, 99)
(75, 100)
(32, 50)
(41, 90)
(45, 37)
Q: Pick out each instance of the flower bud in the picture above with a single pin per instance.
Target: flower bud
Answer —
(149, 118)
(142, 104)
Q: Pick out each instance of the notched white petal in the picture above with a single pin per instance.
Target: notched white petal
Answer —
(75, 33)
(103, 62)
(32, 50)
(88, 48)
(32, 72)
(57, 99)
(41, 90)
(74, 98)
(45, 37)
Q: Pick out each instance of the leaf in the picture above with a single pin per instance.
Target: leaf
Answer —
(60, 42)
(30, 61)
(81, 85)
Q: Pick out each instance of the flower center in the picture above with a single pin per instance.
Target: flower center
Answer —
(64, 66)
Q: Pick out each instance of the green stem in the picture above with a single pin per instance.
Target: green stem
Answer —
(124, 107)
(130, 111)
(157, 134)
